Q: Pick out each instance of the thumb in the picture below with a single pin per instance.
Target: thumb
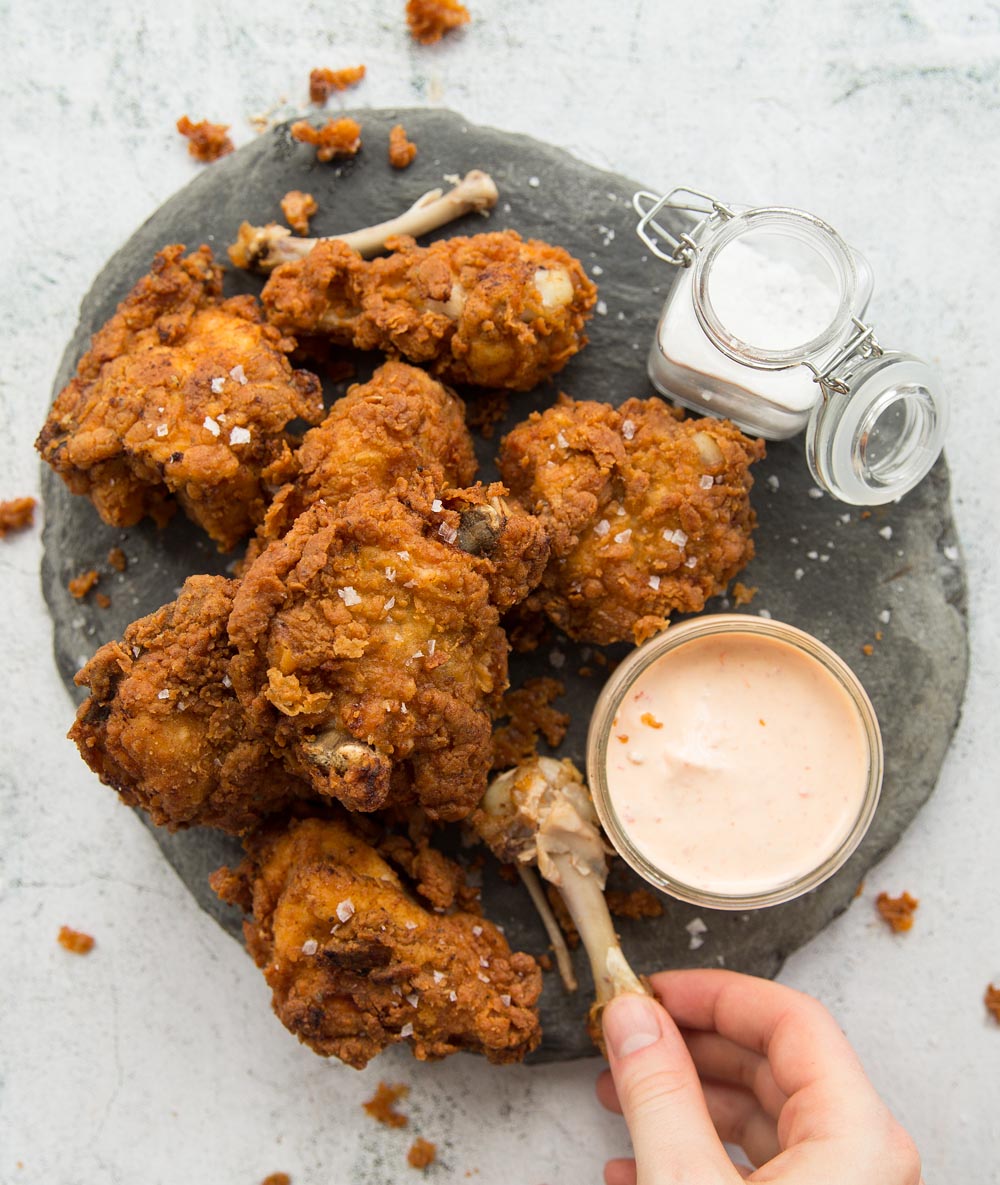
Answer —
(673, 1136)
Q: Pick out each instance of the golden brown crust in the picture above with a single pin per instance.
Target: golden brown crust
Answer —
(356, 965)
(469, 309)
(298, 208)
(17, 514)
(207, 142)
(429, 20)
(382, 1105)
(897, 911)
(163, 727)
(181, 396)
(530, 713)
(647, 513)
(335, 139)
(402, 152)
(323, 81)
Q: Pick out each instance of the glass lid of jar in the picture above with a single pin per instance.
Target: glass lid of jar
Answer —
(774, 287)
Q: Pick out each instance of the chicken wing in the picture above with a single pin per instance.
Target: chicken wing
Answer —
(493, 310)
(182, 396)
(163, 725)
(355, 964)
(647, 513)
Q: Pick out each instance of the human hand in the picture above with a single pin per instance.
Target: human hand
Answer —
(755, 1064)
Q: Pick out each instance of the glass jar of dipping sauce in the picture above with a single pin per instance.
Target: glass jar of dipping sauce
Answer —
(764, 326)
(734, 761)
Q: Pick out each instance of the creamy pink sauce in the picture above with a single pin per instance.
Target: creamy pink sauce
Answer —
(756, 774)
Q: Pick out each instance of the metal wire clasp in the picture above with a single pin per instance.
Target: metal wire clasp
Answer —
(863, 344)
(683, 245)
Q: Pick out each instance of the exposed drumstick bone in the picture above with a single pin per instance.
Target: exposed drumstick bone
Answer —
(263, 248)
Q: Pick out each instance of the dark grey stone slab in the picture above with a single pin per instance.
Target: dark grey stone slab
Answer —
(820, 565)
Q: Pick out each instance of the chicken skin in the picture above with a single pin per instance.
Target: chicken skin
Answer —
(355, 964)
(647, 513)
(182, 398)
(492, 310)
(163, 725)
(400, 423)
(369, 647)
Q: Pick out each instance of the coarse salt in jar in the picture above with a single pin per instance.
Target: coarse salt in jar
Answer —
(764, 326)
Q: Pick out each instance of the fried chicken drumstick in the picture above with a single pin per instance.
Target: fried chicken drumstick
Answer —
(183, 397)
(647, 513)
(492, 310)
(355, 964)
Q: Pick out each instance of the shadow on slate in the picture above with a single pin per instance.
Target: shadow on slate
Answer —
(820, 565)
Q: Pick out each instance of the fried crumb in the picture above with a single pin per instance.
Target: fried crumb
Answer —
(382, 1105)
(859, 890)
(277, 1179)
(429, 20)
(80, 585)
(866, 514)
(868, 649)
(897, 911)
(16, 515)
(298, 208)
(637, 903)
(486, 410)
(402, 151)
(117, 559)
(530, 713)
(879, 635)
(323, 82)
(508, 873)
(544, 961)
(992, 1001)
(563, 917)
(526, 628)
(743, 594)
(75, 941)
(103, 600)
(422, 1153)
(336, 138)
(206, 141)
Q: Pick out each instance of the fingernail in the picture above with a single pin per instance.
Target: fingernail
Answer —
(630, 1024)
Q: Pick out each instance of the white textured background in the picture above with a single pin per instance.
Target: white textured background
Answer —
(156, 1059)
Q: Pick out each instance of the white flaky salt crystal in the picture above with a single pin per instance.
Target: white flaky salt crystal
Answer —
(453, 996)
(884, 616)
(477, 930)
(696, 926)
(211, 425)
(218, 385)
(349, 595)
(239, 436)
(238, 375)
(561, 440)
(557, 659)
(886, 532)
(345, 910)
(390, 574)
(161, 430)
(815, 492)
(628, 429)
(951, 554)
(602, 528)
(310, 946)
(413, 999)
(690, 562)
(409, 925)
(448, 534)
(438, 976)
(602, 308)
(534, 182)
(505, 1000)
(706, 481)
(624, 536)
(436, 505)
(406, 1030)
(654, 583)
(403, 555)
(696, 941)
(164, 694)
(773, 482)
(799, 573)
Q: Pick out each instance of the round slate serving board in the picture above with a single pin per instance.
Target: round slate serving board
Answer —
(892, 579)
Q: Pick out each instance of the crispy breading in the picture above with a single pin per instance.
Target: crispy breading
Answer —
(530, 713)
(75, 941)
(429, 20)
(647, 513)
(164, 728)
(17, 514)
(356, 965)
(369, 644)
(897, 911)
(183, 396)
(298, 208)
(207, 141)
(402, 151)
(336, 138)
(493, 310)
(324, 81)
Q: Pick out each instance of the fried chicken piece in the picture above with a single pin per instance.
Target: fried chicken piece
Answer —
(402, 152)
(323, 81)
(336, 138)
(400, 423)
(164, 728)
(207, 142)
(369, 644)
(17, 514)
(429, 20)
(648, 514)
(298, 208)
(492, 310)
(181, 395)
(356, 965)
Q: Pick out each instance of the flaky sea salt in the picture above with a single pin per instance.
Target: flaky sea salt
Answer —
(238, 375)
(431, 645)
(403, 555)
(884, 616)
(602, 528)
(696, 926)
(690, 562)
(239, 435)
(448, 534)
(534, 182)
(602, 308)
(388, 605)
(406, 1030)
(561, 440)
(799, 573)
(696, 941)
(409, 925)
(211, 425)
(886, 533)
(505, 1000)
(436, 505)
(345, 910)
(706, 481)
(654, 583)
(477, 930)
(413, 999)
(628, 429)
(773, 482)
(951, 554)
(483, 962)
(624, 536)
(164, 694)
(348, 594)
(453, 996)
(557, 659)
(390, 574)
(310, 946)
(161, 430)
(815, 492)
(483, 978)
(218, 385)
(438, 976)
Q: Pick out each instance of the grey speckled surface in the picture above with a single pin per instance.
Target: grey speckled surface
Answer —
(855, 575)
(156, 1058)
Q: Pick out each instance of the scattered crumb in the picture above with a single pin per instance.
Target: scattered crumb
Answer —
(868, 649)
(639, 903)
(486, 410)
(117, 559)
(743, 594)
(866, 514)
(298, 208)
(103, 600)
(422, 1153)
(429, 20)
(526, 628)
(75, 941)
(277, 1179)
(897, 911)
(206, 141)
(336, 138)
(859, 890)
(992, 1001)
(402, 152)
(530, 713)
(508, 873)
(80, 585)
(382, 1105)
(323, 82)
(563, 917)
(879, 635)
(16, 515)
(544, 961)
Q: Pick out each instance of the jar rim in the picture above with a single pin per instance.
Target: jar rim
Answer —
(624, 678)
(793, 223)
